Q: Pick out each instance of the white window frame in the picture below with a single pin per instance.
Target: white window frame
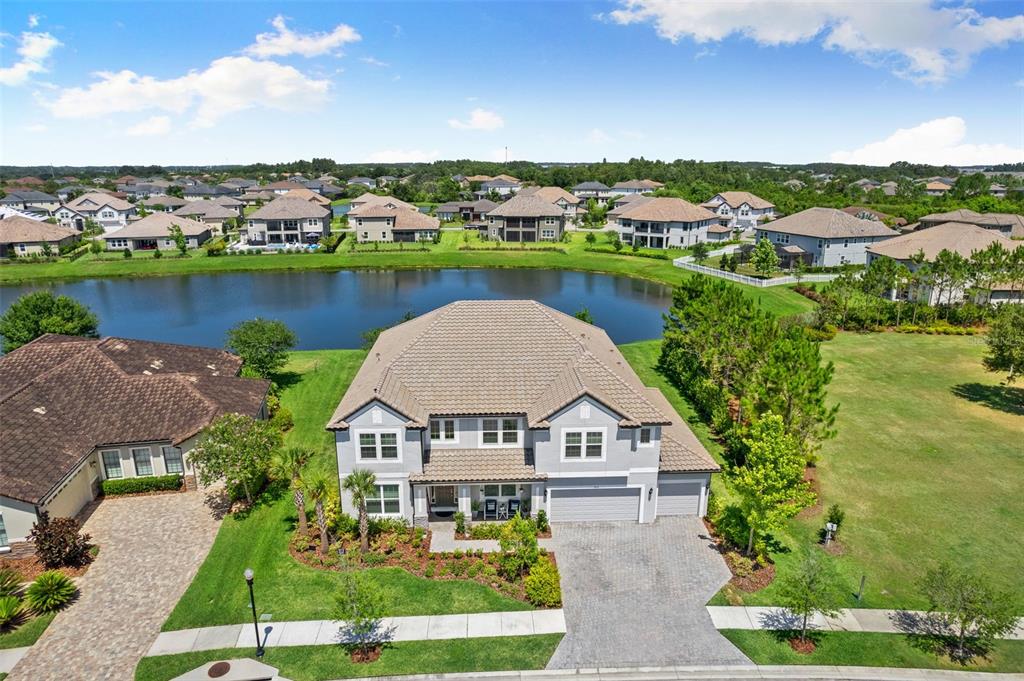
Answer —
(377, 432)
(135, 464)
(501, 430)
(639, 437)
(120, 464)
(442, 431)
(583, 444)
(382, 513)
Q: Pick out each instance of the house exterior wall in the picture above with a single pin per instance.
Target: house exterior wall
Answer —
(663, 234)
(546, 228)
(825, 252)
(292, 231)
(18, 518)
(742, 216)
(34, 247)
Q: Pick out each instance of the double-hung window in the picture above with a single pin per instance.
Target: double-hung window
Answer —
(645, 437)
(4, 543)
(443, 430)
(172, 460)
(499, 432)
(382, 445)
(583, 444)
(384, 500)
(143, 461)
(112, 464)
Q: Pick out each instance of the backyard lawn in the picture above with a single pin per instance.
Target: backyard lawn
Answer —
(927, 465)
(317, 663)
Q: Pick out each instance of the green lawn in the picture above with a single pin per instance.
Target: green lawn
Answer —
(927, 465)
(779, 300)
(27, 633)
(286, 589)
(868, 650)
(317, 663)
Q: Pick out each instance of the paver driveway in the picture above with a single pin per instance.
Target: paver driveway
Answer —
(150, 549)
(635, 594)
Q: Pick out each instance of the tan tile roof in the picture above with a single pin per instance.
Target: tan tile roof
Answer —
(477, 465)
(827, 223)
(207, 209)
(526, 206)
(681, 451)
(648, 185)
(169, 201)
(666, 209)
(61, 397)
(363, 200)
(991, 220)
(156, 225)
(283, 208)
(307, 195)
(280, 184)
(100, 199)
(737, 199)
(403, 217)
(16, 229)
(520, 357)
(937, 186)
(958, 237)
(550, 194)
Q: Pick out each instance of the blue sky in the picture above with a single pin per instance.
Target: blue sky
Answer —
(165, 82)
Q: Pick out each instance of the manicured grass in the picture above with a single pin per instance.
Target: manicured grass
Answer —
(779, 300)
(927, 465)
(861, 649)
(28, 633)
(317, 663)
(285, 588)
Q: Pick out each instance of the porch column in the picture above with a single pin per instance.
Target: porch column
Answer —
(537, 498)
(419, 501)
(465, 502)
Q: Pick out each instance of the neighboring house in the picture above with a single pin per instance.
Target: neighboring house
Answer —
(369, 199)
(153, 232)
(378, 222)
(164, 204)
(288, 221)
(21, 236)
(279, 188)
(367, 182)
(109, 212)
(498, 185)
(238, 184)
(31, 200)
(307, 195)
(866, 184)
(141, 190)
(251, 198)
(598, 191)
(27, 181)
(636, 187)
(325, 189)
(197, 192)
(385, 180)
(937, 188)
(889, 188)
(231, 202)
(526, 218)
(467, 211)
(740, 210)
(1007, 224)
(64, 192)
(212, 214)
(823, 237)
(71, 219)
(569, 203)
(664, 223)
(866, 213)
(997, 190)
(77, 411)
(926, 244)
(544, 413)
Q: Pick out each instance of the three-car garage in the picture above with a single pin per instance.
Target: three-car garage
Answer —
(632, 500)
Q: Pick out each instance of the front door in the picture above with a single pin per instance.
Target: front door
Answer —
(443, 496)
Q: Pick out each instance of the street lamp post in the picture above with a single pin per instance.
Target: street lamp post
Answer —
(252, 603)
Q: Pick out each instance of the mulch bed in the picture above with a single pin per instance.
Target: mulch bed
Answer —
(811, 476)
(360, 656)
(805, 647)
(29, 567)
(759, 576)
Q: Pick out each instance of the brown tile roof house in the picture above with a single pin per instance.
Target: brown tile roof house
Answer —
(827, 223)
(525, 206)
(737, 199)
(666, 209)
(93, 201)
(284, 208)
(871, 214)
(307, 195)
(171, 202)
(210, 211)
(63, 397)
(533, 368)
(957, 237)
(368, 199)
(635, 185)
(158, 225)
(21, 230)
(551, 194)
(402, 218)
(1010, 224)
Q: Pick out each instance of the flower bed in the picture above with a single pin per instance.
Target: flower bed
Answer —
(492, 530)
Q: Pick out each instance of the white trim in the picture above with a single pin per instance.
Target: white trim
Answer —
(442, 439)
(103, 465)
(392, 476)
(501, 445)
(650, 441)
(135, 464)
(377, 432)
(401, 505)
(583, 443)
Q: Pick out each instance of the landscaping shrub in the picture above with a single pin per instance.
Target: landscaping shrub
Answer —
(542, 586)
(460, 523)
(836, 515)
(12, 612)
(283, 419)
(485, 531)
(159, 483)
(51, 591)
(10, 582)
(519, 551)
(386, 525)
(542, 521)
(58, 542)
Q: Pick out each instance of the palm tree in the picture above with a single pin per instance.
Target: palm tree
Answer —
(288, 465)
(318, 487)
(361, 483)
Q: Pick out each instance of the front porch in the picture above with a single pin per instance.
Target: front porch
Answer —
(479, 501)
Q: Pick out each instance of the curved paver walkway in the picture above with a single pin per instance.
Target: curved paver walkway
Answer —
(150, 549)
(635, 594)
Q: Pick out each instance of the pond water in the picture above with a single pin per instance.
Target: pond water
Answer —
(332, 309)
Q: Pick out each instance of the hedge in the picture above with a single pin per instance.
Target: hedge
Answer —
(159, 483)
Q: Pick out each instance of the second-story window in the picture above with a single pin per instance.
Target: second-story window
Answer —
(442, 430)
(498, 432)
(644, 439)
(382, 445)
(583, 443)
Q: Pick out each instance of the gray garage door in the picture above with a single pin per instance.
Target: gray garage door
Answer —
(678, 498)
(611, 503)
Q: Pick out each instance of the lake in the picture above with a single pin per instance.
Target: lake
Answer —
(331, 309)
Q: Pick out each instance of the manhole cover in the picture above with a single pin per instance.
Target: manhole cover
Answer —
(219, 669)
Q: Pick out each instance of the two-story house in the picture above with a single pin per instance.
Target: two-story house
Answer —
(377, 222)
(569, 204)
(544, 413)
(31, 200)
(498, 185)
(288, 221)
(107, 211)
(636, 187)
(740, 211)
(467, 211)
(526, 218)
(823, 237)
(598, 191)
(663, 222)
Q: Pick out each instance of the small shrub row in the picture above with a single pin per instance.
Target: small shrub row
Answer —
(159, 483)
(940, 330)
(509, 247)
(624, 251)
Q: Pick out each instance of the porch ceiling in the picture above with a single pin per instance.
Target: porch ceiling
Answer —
(478, 465)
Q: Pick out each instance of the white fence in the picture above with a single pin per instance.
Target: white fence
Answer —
(749, 281)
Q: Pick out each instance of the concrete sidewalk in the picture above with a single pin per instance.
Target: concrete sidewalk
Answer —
(10, 657)
(857, 619)
(326, 632)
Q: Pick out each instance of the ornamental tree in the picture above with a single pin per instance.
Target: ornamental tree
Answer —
(237, 449)
(1005, 342)
(764, 258)
(263, 345)
(813, 586)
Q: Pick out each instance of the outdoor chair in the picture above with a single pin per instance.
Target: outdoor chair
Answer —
(490, 509)
(513, 507)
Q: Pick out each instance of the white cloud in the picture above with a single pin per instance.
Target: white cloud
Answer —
(36, 127)
(34, 49)
(403, 156)
(33, 20)
(373, 61)
(704, 52)
(227, 85)
(937, 142)
(479, 119)
(154, 125)
(919, 40)
(285, 41)
(599, 136)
